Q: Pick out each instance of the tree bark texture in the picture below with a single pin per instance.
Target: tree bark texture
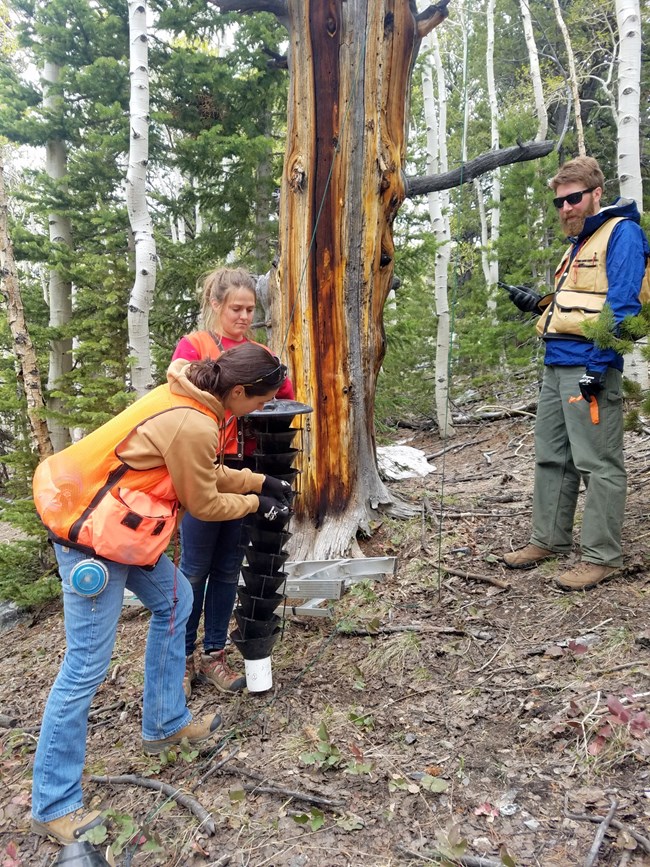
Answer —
(59, 288)
(136, 200)
(28, 372)
(350, 65)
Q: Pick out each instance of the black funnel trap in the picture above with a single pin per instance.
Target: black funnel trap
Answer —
(262, 585)
(81, 854)
(258, 607)
(256, 628)
(275, 441)
(287, 475)
(255, 648)
(272, 541)
(264, 563)
(278, 462)
(260, 521)
(277, 415)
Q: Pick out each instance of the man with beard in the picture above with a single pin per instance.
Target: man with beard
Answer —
(579, 425)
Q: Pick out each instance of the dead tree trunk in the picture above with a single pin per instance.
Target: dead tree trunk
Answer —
(350, 64)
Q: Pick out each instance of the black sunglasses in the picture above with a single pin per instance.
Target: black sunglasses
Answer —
(278, 374)
(572, 198)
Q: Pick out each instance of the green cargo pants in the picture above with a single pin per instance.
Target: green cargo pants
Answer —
(569, 446)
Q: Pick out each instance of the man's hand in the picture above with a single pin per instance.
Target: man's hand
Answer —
(271, 509)
(591, 382)
(522, 297)
(278, 489)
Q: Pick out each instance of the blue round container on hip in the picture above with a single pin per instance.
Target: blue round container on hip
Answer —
(89, 578)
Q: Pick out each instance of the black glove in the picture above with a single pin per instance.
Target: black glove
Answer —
(278, 489)
(591, 382)
(522, 297)
(271, 509)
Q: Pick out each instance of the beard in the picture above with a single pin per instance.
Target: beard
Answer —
(573, 224)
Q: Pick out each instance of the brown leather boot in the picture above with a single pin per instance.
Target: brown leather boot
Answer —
(584, 576)
(527, 557)
(196, 732)
(70, 827)
(214, 669)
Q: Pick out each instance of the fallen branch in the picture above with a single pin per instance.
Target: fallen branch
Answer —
(205, 818)
(456, 447)
(215, 768)
(463, 860)
(257, 788)
(274, 790)
(614, 823)
(600, 836)
(496, 412)
(476, 576)
(389, 630)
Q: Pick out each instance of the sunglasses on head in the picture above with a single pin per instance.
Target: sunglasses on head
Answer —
(277, 375)
(572, 198)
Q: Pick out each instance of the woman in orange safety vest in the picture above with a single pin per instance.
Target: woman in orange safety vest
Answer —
(110, 504)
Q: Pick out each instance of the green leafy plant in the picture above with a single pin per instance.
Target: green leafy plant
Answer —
(315, 818)
(326, 755)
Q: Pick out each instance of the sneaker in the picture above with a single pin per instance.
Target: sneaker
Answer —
(196, 732)
(527, 557)
(68, 828)
(584, 576)
(214, 669)
(189, 677)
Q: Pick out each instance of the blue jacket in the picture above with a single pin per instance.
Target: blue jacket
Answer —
(626, 257)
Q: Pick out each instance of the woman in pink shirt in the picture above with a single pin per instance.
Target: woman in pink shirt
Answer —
(212, 552)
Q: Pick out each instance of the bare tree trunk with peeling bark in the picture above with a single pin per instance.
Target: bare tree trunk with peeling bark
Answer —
(350, 65)
(628, 16)
(59, 289)
(136, 200)
(573, 78)
(28, 373)
(490, 229)
(436, 121)
(535, 72)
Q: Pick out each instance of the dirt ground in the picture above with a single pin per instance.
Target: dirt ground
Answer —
(457, 710)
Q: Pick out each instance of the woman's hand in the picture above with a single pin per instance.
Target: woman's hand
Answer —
(278, 489)
(271, 509)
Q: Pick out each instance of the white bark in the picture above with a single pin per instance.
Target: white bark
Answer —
(136, 199)
(436, 123)
(628, 18)
(573, 78)
(535, 72)
(629, 88)
(59, 289)
(492, 263)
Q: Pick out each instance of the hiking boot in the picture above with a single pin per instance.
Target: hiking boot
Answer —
(527, 557)
(214, 669)
(196, 732)
(70, 827)
(584, 576)
(189, 677)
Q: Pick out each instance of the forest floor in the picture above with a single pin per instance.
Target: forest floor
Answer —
(456, 709)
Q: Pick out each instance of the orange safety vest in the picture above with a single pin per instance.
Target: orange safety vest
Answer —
(90, 499)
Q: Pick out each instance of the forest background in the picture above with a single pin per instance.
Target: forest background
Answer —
(218, 95)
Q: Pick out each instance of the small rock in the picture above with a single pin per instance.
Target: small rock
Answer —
(532, 824)
(410, 738)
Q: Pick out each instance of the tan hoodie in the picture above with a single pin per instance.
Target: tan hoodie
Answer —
(187, 442)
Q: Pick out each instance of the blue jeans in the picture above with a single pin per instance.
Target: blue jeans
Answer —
(90, 628)
(212, 554)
